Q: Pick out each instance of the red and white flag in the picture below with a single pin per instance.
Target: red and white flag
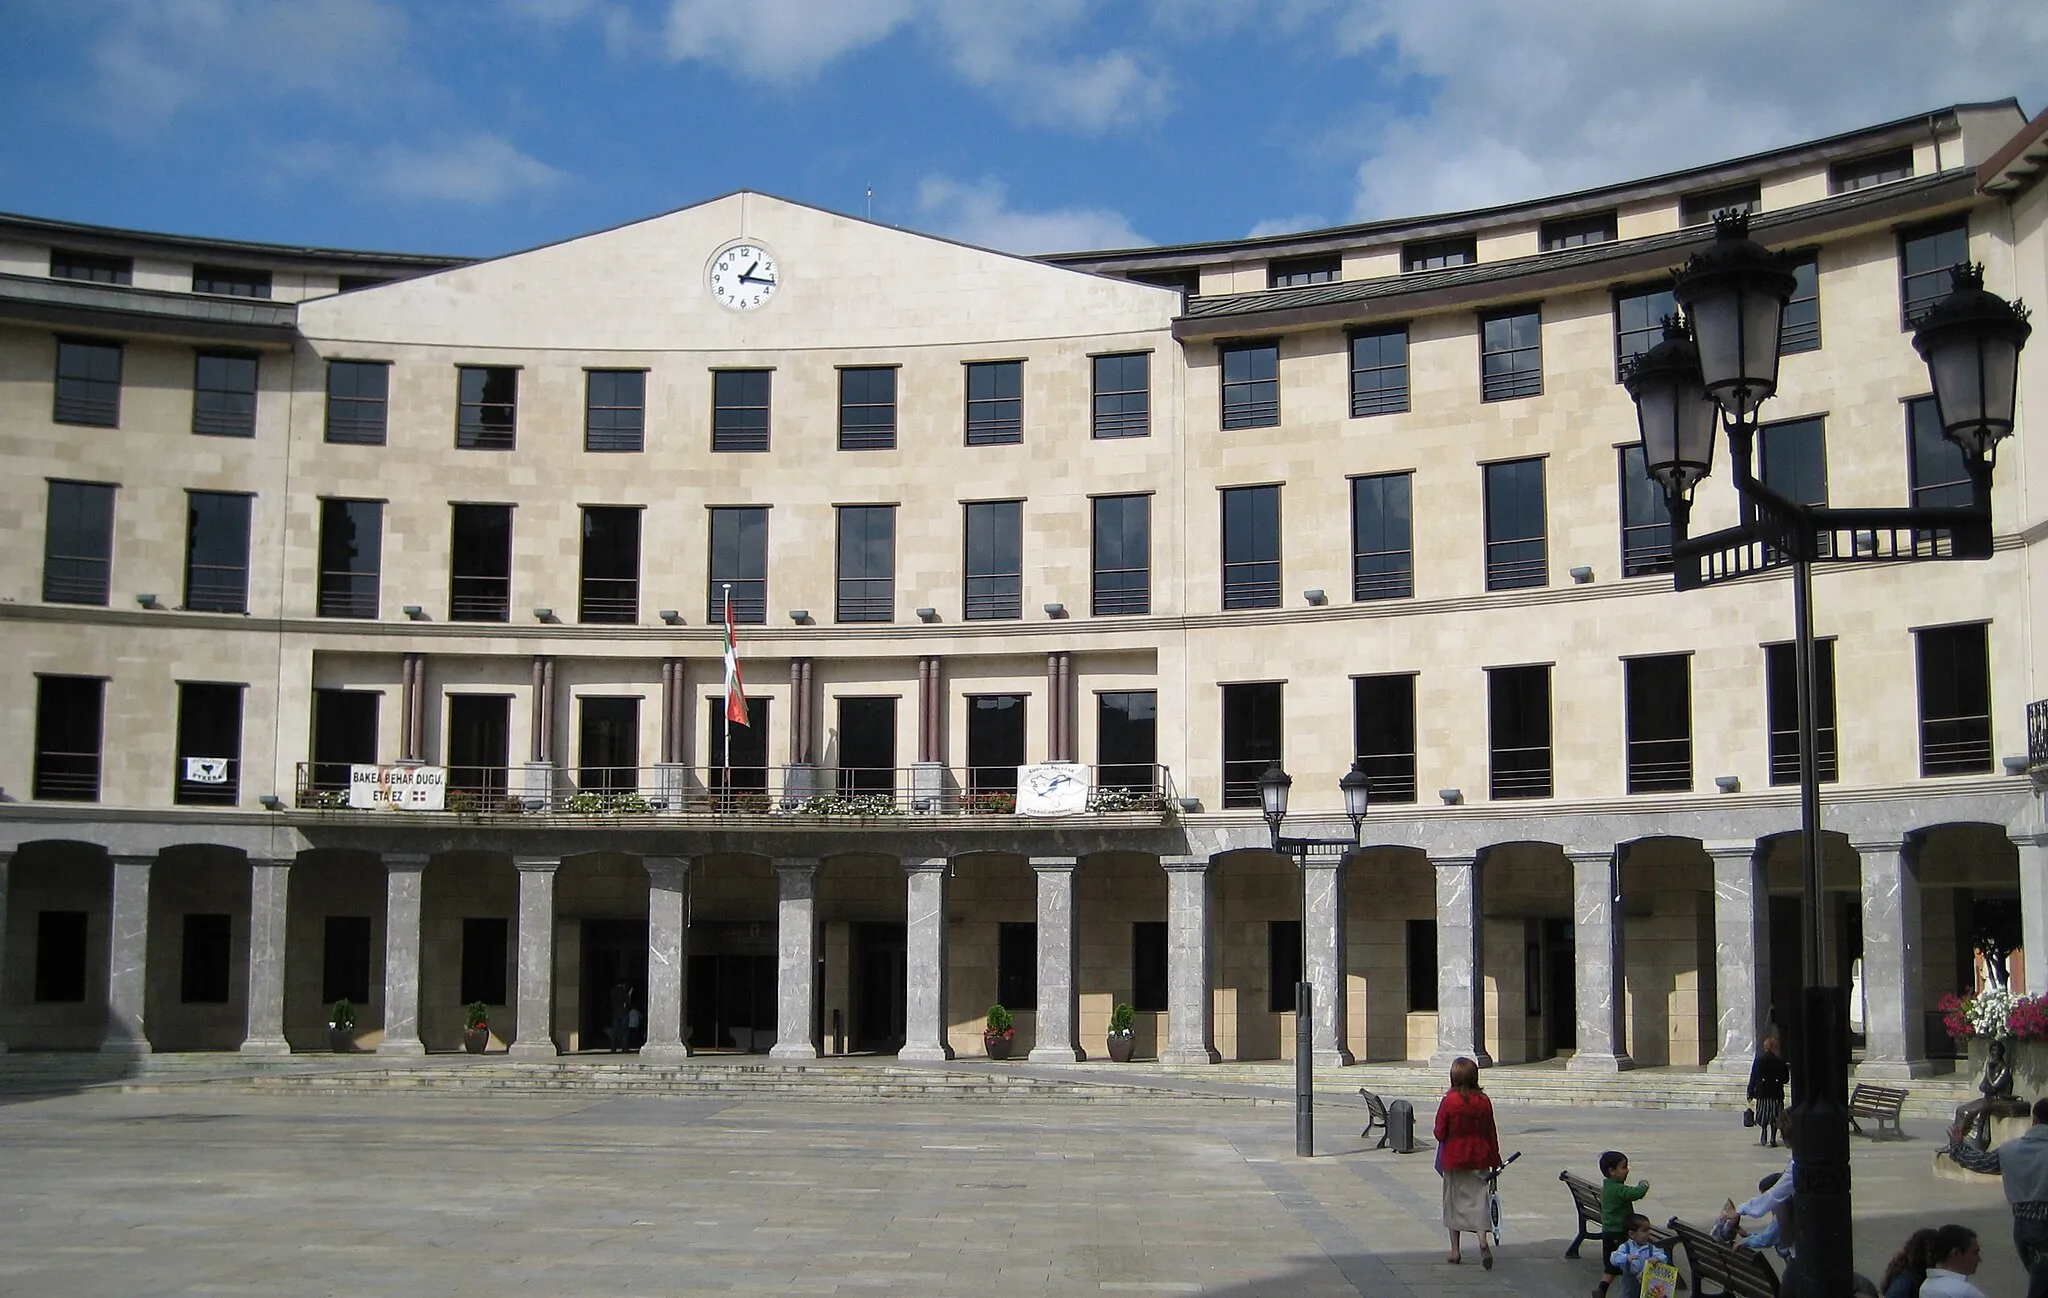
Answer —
(735, 688)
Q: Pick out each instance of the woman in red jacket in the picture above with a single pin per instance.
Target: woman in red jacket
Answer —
(1468, 1148)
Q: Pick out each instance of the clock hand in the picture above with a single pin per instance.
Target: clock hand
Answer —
(751, 278)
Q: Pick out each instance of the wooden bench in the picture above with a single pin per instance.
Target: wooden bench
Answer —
(1880, 1105)
(1375, 1116)
(1586, 1202)
(1719, 1269)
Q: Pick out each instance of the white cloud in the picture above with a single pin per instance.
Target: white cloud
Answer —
(980, 214)
(1002, 50)
(777, 41)
(1273, 225)
(478, 168)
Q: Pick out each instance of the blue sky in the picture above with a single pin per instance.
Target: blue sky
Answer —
(476, 127)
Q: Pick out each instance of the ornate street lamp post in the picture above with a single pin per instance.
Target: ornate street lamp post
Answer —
(1723, 358)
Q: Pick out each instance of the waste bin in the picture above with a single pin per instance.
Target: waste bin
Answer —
(1401, 1127)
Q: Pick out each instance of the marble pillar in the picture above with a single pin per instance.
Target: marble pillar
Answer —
(1894, 1029)
(1188, 1011)
(924, 961)
(1742, 954)
(1598, 983)
(403, 875)
(6, 858)
(1058, 1039)
(2033, 851)
(128, 958)
(796, 943)
(1322, 882)
(1460, 1008)
(269, 886)
(534, 1015)
(668, 956)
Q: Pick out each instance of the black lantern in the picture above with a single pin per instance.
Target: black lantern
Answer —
(1273, 789)
(1971, 342)
(1357, 792)
(1735, 293)
(1672, 410)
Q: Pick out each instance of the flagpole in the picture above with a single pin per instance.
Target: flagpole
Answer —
(728, 702)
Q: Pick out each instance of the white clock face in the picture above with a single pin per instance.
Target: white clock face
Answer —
(743, 277)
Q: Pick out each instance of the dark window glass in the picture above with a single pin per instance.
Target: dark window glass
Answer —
(68, 738)
(480, 563)
(995, 403)
(344, 735)
(88, 383)
(1639, 322)
(1925, 257)
(739, 410)
(479, 732)
(1518, 701)
(1645, 518)
(1511, 356)
(1251, 547)
(1792, 459)
(1439, 254)
(1379, 372)
(1876, 169)
(867, 409)
(867, 745)
(345, 960)
(204, 963)
(1297, 271)
(614, 410)
(357, 396)
(1659, 723)
(1123, 396)
(1781, 702)
(1516, 552)
(1422, 966)
(350, 283)
(488, 417)
(1383, 728)
(217, 551)
(60, 956)
(1698, 209)
(209, 760)
(1955, 701)
(91, 266)
(1382, 537)
(224, 394)
(1578, 231)
(608, 745)
(1799, 331)
(748, 771)
(994, 568)
(610, 590)
(1252, 739)
(867, 563)
(486, 943)
(1940, 474)
(739, 560)
(1122, 555)
(1148, 966)
(231, 281)
(78, 543)
(1127, 740)
(1188, 279)
(995, 742)
(1251, 385)
(1017, 966)
(351, 550)
(1283, 964)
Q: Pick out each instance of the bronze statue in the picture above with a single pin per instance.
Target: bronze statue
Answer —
(1995, 1099)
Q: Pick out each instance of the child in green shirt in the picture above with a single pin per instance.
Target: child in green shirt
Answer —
(1616, 1194)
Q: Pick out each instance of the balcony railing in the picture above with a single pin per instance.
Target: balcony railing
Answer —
(2037, 735)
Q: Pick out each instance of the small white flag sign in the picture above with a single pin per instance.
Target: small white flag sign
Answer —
(206, 770)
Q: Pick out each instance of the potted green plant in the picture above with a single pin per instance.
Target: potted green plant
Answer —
(1000, 1031)
(476, 1027)
(1123, 1036)
(341, 1026)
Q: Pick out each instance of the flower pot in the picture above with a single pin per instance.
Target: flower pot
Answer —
(342, 1041)
(1122, 1048)
(476, 1040)
(998, 1047)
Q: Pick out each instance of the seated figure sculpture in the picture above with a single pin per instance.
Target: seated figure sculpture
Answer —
(1995, 1099)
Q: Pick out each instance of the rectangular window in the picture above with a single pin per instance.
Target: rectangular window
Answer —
(480, 563)
(866, 564)
(1799, 330)
(1939, 473)
(60, 956)
(479, 733)
(1645, 518)
(1148, 966)
(1383, 731)
(1955, 700)
(1876, 169)
(205, 960)
(1379, 372)
(1422, 966)
(1659, 723)
(1781, 704)
(1293, 272)
(209, 760)
(231, 281)
(1925, 257)
(486, 944)
(92, 267)
(1382, 537)
(1639, 322)
(1699, 208)
(867, 408)
(610, 589)
(1518, 715)
(345, 960)
(1123, 396)
(1122, 555)
(78, 543)
(995, 403)
(995, 742)
(1579, 231)
(1439, 254)
(1283, 964)
(1251, 385)
(1127, 740)
(358, 393)
(1017, 966)
(69, 710)
(351, 551)
(88, 383)
(344, 735)
(1188, 279)
(867, 746)
(488, 415)
(739, 410)
(993, 569)
(1252, 739)
(608, 745)
(224, 394)
(1792, 460)
(1511, 355)
(217, 551)
(1517, 554)
(739, 560)
(748, 772)
(1251, 547)
(614, 410)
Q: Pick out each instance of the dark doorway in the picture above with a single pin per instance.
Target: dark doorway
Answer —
(1560, 991)
(1788, 948)
(732, 986)
(878, 986)
(478, 729)
(867, 746)
(614, 951)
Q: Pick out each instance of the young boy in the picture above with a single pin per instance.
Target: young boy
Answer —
(1635, 1253)
(1616, 1194)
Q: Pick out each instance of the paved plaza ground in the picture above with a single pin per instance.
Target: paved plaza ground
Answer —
(220, 1190)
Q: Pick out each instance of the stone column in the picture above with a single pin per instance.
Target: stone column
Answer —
(2033, 910)
(534, 1021)
(5, 859)
(1058, 1039)
(1894, 1030)
(1598, 984)
(1460, 1009)
(924, 961)
(1742, 954)
(269, 886)
(668, 956)
(402, 877)
(796, 941)
(1187, 962)
(128, 958)
(1322, 882)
